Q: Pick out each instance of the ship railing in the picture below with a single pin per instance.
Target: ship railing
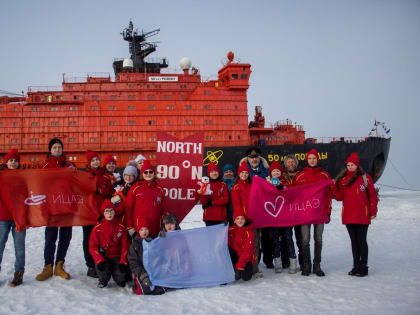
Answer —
(75, 79)
(337, 139)
(44, 89)
(148, 60)
(98, 75)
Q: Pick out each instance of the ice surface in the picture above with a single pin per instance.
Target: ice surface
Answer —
(392, 287)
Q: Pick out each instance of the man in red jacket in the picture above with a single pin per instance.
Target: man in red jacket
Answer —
(55, 159)
(108, 246)
(311, 174)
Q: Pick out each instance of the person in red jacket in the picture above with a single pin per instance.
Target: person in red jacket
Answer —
(311, 174)
(108, 246)
(214, 205)
(55, 159)
(241, 245)
(241, 190)
(281, 234)
(145, 199)
(12, 160)
(360, 200)
(110, 165)
(104, 190)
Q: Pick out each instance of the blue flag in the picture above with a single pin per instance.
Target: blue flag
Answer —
(189, 258)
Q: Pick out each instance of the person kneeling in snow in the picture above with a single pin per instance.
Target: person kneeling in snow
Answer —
(241, 246)
(141, 281)
(108, 246)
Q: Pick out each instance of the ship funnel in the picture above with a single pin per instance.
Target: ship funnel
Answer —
(185, 64)
(128, 64)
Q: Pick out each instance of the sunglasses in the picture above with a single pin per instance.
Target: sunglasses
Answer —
(148, 172)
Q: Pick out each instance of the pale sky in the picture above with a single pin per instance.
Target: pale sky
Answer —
(332, 66)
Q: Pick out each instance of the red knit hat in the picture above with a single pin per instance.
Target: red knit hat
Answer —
(142, 222)
(353, 158)
(212, 167)
(90, 155)
(107, 204)
(314, 152)
(275, 165)
(13, 154)
(109, 158)
(243, 167)
(238, 212)
(146, 166)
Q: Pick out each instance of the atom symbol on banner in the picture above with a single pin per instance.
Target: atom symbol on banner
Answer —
(212, 156)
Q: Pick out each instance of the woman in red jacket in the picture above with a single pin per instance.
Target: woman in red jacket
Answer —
(241, 190)
(214, 205)
(355, 188)
(311, 174)
(104, 190)
(145, 199)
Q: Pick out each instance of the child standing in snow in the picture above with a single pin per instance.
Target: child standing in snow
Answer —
(12, 160)
(214, 205)
(281, 233)
(109, 247)
(141, 281)
(241, 246)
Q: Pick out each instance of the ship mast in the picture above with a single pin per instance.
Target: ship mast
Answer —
(139, 49)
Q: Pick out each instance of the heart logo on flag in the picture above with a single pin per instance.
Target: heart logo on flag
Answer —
(273, 209)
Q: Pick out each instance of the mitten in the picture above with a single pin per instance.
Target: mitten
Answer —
(131, 232)
(328, 219)
(102, 265)
(162, 233)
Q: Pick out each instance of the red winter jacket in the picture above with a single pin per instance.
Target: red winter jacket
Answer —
(288, 181)
(145, 200)
(359, 203)
(241, 240)
(103, 183)
(56, 162)
(219, 200)
(5, 215)
(240, 197)
(112, 237)
(310, 175)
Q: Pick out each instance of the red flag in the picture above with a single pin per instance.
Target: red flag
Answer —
(298, 205)
(179, 168)
(50, 197)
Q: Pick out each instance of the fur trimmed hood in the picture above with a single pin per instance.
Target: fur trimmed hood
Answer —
(264, 161)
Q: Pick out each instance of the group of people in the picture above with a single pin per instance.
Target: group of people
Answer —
(133, 209)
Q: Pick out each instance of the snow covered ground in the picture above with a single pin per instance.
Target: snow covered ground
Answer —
(392, 287)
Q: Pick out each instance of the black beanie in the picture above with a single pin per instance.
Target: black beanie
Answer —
(54, 141)
(170, 218)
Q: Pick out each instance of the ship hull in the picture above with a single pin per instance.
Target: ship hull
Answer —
(373, 154)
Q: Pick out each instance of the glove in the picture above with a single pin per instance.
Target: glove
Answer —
(329, 219)
(131, 232)
(122, 267)
(145, 280)
(162, 233)
(102, 265)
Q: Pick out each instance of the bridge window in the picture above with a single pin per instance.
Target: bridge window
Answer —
(235, 76)
(131, 122)
(131, 107)
(244, 76)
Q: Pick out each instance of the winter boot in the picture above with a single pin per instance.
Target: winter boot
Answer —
(292, 266)
(362, 271)
(306, 270)
(17, 279)
(102, 284)
(92, 272)
(237, 275)
(278, 265)
(59, 270)
(46, 273)
(317, 269)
